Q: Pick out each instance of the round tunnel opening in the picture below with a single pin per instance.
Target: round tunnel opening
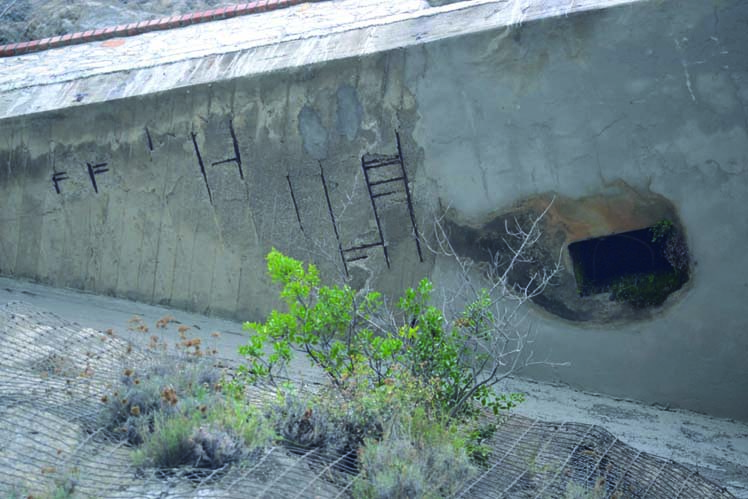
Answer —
(641, 267)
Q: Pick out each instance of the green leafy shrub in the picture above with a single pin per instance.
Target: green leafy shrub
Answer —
(407, 386)
(476, 442)
(347, 335)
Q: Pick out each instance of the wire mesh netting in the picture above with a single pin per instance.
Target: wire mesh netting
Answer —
(54, 375)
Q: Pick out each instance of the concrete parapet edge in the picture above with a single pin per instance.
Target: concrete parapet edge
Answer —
(100, 75)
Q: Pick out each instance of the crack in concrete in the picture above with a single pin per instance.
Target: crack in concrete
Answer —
(34, 215)
(476, 146)
(686, 73)
(158, 241)
(744, 103)
(610, 125)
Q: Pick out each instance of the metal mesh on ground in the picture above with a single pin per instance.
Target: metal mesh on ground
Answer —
(53, 375)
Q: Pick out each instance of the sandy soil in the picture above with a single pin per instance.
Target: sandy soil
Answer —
(23, 20)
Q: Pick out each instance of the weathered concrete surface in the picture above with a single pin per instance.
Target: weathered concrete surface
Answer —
(202, 180)
(251, 45)
(647, 95)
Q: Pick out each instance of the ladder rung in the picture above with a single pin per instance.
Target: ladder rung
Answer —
(379, 163)
(363, 246)
(380, 182)
(382, 194)
(357, 258)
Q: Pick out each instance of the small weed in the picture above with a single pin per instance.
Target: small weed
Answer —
(164, 321)
(168, 445)
(661, 230)
(56, 492)
(577, 491)
(203, 437)
(251, 427)
(58, 485)
(305, 424)
(417, 458)
(18, 492)
(476, 446)
(168, 387)
(647, 290)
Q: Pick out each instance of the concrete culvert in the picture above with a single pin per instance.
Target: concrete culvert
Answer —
(624, 252)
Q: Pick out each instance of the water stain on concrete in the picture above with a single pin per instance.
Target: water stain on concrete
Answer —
(349, 112)
(313, 133)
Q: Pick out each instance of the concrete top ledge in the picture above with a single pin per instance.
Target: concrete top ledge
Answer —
(293, 37)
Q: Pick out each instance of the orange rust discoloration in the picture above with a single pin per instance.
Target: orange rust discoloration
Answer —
(619, 209)
(114, 42)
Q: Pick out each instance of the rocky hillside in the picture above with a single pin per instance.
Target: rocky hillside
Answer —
(23, 20)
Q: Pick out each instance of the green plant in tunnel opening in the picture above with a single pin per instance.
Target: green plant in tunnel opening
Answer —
(661, 230)
(651, 290)
(647, 290)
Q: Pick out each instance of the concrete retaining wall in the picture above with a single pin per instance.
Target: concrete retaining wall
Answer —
(175, 197)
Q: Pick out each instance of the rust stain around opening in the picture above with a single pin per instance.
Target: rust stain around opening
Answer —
(616, 209)
(619, 208)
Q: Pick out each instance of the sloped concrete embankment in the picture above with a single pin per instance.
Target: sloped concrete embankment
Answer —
(175, 197)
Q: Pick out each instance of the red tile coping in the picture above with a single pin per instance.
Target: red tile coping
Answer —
(178, 21)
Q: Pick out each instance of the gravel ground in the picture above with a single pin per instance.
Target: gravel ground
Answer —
(24, 20)
(717, 448)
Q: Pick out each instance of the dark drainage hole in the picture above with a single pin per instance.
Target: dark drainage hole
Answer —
(641, 267)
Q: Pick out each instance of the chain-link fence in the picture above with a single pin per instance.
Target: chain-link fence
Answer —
(54, 375)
